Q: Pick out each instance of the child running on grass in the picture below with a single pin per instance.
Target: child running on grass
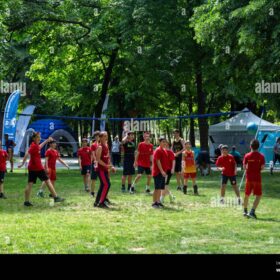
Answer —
(189, 168)
(160, 167)
(36, 169)
(226, 163)
(84, 158)
(253, 164)
(143, 159)
(52, 155)
(3, 159)
(170, 172)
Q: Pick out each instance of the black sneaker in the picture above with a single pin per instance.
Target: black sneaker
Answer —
(160, 205)
(185, 190)
(123, 189)
(50, 195)
(92, 194)
(179, 188)
(155, 205)
(245, 213)
(58, 199)
(107, 201)
(95, 204)
(27, 203)
(103, 205)
(252, 215)
(148, 191)
(132, 190)
(195, 189)
(3, 196)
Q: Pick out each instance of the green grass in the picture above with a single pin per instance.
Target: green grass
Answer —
(191, 225)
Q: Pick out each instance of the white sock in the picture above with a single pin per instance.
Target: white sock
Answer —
(161, 199)
(147, 187)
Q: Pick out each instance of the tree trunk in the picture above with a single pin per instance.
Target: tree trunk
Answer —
(201, 102)
(192, 132)
(105, 86)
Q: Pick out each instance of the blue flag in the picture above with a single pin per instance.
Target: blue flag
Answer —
(9, 122)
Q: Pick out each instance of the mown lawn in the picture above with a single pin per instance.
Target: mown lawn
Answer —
(190, 225)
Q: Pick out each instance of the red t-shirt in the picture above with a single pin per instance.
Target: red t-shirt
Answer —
(35, 163)
(94, 146)
(254, 160)
(3, 158)
(52, 156)
(84, 153)
(228, 162)
(105, 157)
(171, 158)
(144, 153)
(161, 155)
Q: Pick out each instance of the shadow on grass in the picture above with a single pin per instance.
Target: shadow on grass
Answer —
(269, 220)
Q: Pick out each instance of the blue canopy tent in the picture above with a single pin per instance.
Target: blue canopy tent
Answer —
(54, 128)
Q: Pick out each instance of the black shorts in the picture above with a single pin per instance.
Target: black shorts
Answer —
(85, 169)
(128, 168)
(169, 175)
(2, 176)
(33, 175)
(142, 169)
(178, 164)
(276, 158)
(159, 181)
(93, 173)
(226, 178)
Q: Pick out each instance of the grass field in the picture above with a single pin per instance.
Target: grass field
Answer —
(190, 225)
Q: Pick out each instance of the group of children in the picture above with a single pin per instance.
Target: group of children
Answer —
(161, 164)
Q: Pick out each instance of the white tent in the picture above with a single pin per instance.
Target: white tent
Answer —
(239, 123)
(234, 131)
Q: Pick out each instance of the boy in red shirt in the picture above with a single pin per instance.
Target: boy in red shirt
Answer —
(143, 159)
(170, 172)
(3, 158)
(36, 169)
(226, 163)
(84, 158)
(253, 163)
(52, 155)
(160, 167)
(93, 173)
(189, 168)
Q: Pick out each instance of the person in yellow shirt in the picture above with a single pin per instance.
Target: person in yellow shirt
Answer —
(189, 168)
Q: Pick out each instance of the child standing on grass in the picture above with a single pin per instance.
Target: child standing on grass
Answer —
(226, 163)
(84, 158)
(93, 173)
(253, 164)
(104, 167)
(170, 172)
(160, 167)
(36, 169)
(3, 158)
(189, 168)
(52, 155)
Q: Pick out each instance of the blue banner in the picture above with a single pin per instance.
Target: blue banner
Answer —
(9, 121)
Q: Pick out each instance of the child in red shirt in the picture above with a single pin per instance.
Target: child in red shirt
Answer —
(36, 169)
(143, 159)
(253, 163)
(226, 163)
(3, 158)
(93, 173)
(52, 155)
(160, 167)
(170, 172)
(84, 158)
